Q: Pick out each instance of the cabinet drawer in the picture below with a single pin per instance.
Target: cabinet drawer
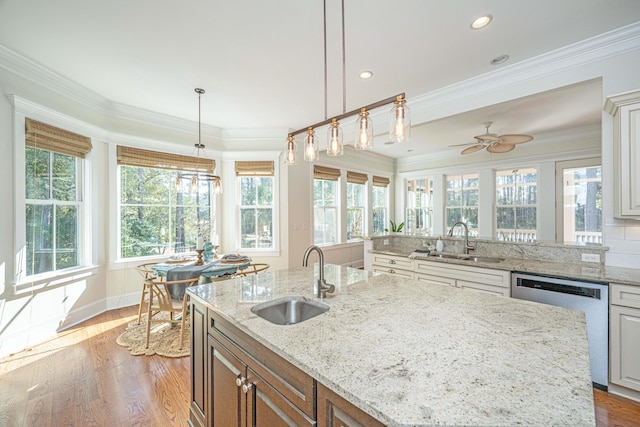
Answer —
(393, 261)
(435, 280)
(625, 295)
(407, 274)
(490, 289)
(471, 274)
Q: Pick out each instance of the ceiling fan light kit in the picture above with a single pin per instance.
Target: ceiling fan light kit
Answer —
(494, 143)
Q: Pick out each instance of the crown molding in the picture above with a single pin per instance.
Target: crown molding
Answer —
(615, 42)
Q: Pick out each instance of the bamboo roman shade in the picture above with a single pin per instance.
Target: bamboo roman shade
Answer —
(138, 157)
(257, 168)
(380, 181)
(356, 178)
(47, 137)
(328, 174)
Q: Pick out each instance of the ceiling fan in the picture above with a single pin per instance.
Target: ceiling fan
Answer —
(494, 143)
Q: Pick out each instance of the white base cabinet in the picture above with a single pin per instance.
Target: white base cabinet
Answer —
(624, 336)
(463, 276)
(392, 264)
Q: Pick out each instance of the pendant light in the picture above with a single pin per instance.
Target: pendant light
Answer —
(334, 137)
(290, 151)
(364, 130)
(400, 121)
(310, 146)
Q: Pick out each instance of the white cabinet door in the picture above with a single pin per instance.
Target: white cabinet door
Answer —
(625, 346)
(625, 109)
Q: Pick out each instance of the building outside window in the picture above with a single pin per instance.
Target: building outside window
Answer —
(53, 197)
(325, 205)
(582, 205)
(379, 204)
(419, 205)
(162, 209)
(356, 204)
(462, 202)
(516, 205)
(256, 204)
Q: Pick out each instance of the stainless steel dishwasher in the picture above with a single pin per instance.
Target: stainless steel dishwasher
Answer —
(590, 297)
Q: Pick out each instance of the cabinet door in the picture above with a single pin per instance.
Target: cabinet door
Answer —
(228, 401)
(198, 364)
(334, 411)
(435, 280)
(625, 346)
(395, 271)
(268, 408)
(490, 289)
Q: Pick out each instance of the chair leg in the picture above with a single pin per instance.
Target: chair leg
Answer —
(144, 293)
(149, 315)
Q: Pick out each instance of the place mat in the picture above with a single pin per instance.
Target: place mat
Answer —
(163, 340)
(234, 259)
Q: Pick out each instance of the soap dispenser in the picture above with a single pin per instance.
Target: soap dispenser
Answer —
(439, 244)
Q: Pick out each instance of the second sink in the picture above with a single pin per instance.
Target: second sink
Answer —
(289, 310)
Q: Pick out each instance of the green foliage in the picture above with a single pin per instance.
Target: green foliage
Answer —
(396, 228)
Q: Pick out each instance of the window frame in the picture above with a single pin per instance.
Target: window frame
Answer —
(411, 209)
(473, 231)
(384, 208)
(363, 207)
(515, 171)
(240, 207)
(336, 208)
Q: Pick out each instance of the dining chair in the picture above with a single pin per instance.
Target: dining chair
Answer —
(160, 301)
(253, 269)
(146, 272)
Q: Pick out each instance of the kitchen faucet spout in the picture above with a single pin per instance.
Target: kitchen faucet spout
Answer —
(323, 287)
(467, 247)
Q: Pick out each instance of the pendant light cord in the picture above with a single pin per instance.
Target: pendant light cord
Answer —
(324, 6)
(344, 67)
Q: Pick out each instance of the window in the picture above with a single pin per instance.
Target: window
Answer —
(419, 202)
(516, 205)
(161, 212)
(462, 202)
(53, 202)
(379, 204)
(580, 217)
(256, 204)
(356, 203)
(325, 204)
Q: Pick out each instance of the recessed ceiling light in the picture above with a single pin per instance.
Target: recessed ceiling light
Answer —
(499, 59)
(481, 22)
(366, 75)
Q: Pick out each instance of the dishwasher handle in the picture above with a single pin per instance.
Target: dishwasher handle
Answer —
(577, 290)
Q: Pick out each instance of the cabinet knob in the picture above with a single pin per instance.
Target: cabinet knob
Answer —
(240, 381)
(392, 271)
(392, 261)
(246, 388)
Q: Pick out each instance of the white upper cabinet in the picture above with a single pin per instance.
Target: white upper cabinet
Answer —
(625, 108)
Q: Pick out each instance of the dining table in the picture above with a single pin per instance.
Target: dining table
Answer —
(188, 270)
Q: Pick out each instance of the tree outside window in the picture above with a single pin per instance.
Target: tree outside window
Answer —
(462, 201)
(419, 202)
(325, 211)
(582, 205)
(256, 212)
(53, 207)
(516, 205)
(379, 206)
(355, 210)
(161, 214)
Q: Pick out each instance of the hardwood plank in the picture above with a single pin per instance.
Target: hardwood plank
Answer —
(82, 377)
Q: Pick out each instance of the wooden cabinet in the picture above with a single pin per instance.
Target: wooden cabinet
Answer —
(625, 109)
(624, 336)
(393, 264)
(249, 385)
(334, 411)
(198, 411)
(463, 276)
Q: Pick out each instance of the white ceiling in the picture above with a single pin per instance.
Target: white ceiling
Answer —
(261, 62)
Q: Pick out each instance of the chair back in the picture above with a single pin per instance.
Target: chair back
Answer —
(145, 270)
(253, 269)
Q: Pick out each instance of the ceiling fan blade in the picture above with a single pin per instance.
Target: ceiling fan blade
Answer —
(460, 145)
(487, 137)
(515, 138)
(500, 148)
(472, 149)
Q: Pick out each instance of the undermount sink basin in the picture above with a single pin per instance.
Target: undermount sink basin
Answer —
(483, 259)
(447, 256)
(289, 310)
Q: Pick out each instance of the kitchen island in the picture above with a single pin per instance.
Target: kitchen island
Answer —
(401, 352)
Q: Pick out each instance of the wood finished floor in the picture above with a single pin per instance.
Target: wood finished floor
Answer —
(83, 378)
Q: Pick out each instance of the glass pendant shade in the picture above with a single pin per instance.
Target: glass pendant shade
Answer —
(334, 139)
(364, 130)
(217, 188)
(290, 151)
(310, 146)
(400, 121)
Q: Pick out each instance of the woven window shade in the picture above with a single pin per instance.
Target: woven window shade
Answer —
(380, 181)
(153, 159)
(328, 174)
(356, 178)
(261, 168)
(47, 137)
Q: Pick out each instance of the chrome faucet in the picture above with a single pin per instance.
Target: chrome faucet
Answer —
(467, 247)
(323, 286)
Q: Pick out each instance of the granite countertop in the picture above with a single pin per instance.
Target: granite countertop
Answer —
(582, 271)
(414, 355)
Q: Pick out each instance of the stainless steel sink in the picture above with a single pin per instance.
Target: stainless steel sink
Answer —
(447, 256)
(289, 310)
(483, 259)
